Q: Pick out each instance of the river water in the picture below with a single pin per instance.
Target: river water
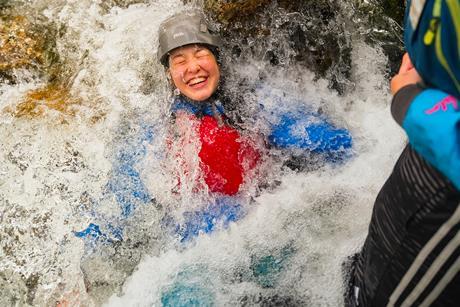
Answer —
(100, 161)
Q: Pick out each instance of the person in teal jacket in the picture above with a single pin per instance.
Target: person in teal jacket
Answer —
(411, 256)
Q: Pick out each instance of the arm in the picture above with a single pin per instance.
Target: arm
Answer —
(431, 119)
(293, 126)
(311, 132)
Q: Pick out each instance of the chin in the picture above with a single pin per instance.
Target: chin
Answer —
(200, 97)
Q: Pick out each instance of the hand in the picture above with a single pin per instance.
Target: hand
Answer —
(407, 75)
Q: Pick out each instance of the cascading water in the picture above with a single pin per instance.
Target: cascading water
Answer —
(86, 191)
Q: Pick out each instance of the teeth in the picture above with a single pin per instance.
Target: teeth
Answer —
(197, 80)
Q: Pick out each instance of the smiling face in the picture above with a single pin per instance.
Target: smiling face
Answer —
(194, 71)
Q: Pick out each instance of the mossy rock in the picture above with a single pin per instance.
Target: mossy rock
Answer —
(32, 46)
(50, 97)
(20, 47)
(27, 45)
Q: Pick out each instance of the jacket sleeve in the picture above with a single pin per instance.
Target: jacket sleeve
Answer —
(310, 132)
(431, 119)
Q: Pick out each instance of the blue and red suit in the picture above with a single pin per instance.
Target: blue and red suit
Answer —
(227, 158)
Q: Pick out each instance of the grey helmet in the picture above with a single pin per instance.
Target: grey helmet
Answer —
(182, 29)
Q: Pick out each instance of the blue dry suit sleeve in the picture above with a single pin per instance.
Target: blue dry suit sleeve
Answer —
(311, 132)
(431, 119)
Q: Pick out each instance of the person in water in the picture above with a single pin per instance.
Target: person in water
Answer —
(189, 53)
(411, 256)
(228, 156)
(211, 158)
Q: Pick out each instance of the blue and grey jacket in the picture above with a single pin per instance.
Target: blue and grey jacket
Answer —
(431, 119)
(431, 115)
(432, 39)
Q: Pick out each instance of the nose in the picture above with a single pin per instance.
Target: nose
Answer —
(193, 66)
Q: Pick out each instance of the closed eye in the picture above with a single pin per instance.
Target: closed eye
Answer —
(178, 60)
(202, 53)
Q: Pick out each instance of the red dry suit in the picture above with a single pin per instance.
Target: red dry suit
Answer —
(225, 156)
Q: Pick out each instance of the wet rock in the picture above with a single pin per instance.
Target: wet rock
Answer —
(380, 23)
(19, 287)
(279, 300)
(228, 11)
(108, 4)
(271, 300)
(4, 4)
(316, 34)
(106, 270)
(18, 157)
(51, 97)
(286, 33)
(19, 46)
(31, 46)
(32, 284)
(102, 277)
(393, 9)
(27, 45)
(109, 261)
(13, 289)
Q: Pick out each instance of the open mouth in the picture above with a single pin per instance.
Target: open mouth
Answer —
(196, 82)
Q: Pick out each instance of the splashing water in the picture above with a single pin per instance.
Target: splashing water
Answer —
(85, 195)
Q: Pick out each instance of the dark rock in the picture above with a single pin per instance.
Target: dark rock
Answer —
(32, 284)
(271, 300)
(286, 33)
(4, 4)
(316, 34)
(380, 23)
